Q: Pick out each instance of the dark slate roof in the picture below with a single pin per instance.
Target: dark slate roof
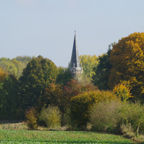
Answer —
(75, 55)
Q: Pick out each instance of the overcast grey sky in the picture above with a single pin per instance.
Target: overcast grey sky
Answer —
(46, 27)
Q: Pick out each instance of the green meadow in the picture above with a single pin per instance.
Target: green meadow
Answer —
(67, 137)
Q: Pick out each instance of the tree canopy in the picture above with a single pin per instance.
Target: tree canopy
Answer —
(127, 59)
(102, 70)
(88, 62)
(3, 74)
(14, 66)
(24, 58)
(8, 98)
(64, 76)
(35, 77)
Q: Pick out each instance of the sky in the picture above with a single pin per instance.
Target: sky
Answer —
(46, 27)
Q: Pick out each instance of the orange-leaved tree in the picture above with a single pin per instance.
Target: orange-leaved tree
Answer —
(127, 59)
(3, 74)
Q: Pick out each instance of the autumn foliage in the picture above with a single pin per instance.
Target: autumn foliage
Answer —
(59, 95)
(122, 92)
(31, 117)
(127, 59)
(3, 74)
(51, 116)
(82, 103)
(88, 62)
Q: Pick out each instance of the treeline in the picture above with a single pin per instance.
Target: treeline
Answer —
(124, 63)
(116, 75)
(16, 65)
(23, 81)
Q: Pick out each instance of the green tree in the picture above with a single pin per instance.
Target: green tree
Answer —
(4, 59)
(19, 67)
(35, 78)
(8, 66)
(9, 98)
(127, 59)
(88, 62)
(13, 66)
(64, 76)
(102, 70)
(24, 58)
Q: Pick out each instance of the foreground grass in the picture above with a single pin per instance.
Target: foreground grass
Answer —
(43, 137)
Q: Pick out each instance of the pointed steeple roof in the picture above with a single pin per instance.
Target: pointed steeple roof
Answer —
(75, 56)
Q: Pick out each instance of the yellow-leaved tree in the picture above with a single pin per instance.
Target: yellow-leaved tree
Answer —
(127, 59)
(122, 92)
(88, 63)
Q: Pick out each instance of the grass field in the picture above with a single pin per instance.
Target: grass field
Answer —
(67, 137)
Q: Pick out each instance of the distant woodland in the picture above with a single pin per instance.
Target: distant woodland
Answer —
(16, 65)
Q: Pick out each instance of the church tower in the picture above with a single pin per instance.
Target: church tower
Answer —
(75, 66)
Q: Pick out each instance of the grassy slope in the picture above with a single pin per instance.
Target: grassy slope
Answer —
(13, 136)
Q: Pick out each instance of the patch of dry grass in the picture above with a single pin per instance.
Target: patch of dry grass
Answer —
(139, 138)
(23, 126)
(14, 126)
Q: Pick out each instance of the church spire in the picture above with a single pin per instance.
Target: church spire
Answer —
(75, 55)
(75, 66)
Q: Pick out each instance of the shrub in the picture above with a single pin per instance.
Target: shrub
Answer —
(127, 130)
(65, 119)
(133, 114)
(32, 117)
(122, 92)
(116, 116)
(82, 103)
(51, 116)
(103, 116)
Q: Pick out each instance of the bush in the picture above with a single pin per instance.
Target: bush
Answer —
(122, 92)
(82, 103)
(51, 116)
(32, 117)
(116, 116)
(103, 116)
(66, 120)
(133, 114)
(127, 130)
